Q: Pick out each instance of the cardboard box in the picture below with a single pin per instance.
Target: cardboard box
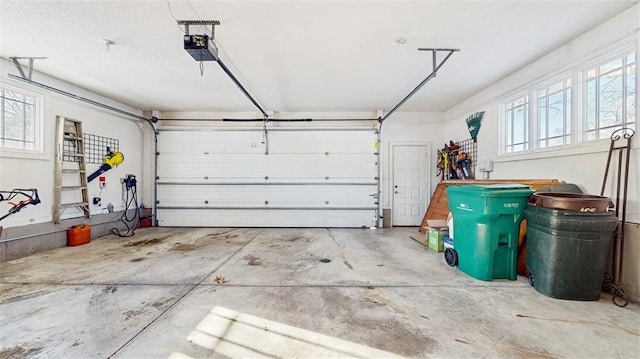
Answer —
(436, 231)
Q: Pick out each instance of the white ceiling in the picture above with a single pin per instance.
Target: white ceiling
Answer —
(295, 56)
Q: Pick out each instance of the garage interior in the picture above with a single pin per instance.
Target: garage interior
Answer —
(254, 174)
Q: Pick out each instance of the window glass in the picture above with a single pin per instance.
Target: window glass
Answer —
(517, 124)
(13, 95)
(630, 59)
(631, 94)
(610, 97)
(613, 65)
(591, 104)
(553, 114)
(18, 121)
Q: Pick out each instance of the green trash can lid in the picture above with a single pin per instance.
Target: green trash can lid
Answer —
(501, 186)
(493, 189)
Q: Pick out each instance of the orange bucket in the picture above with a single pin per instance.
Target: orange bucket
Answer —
(77, 235)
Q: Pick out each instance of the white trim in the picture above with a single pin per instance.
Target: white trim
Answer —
(39, 153)
(503, 121)
(535, 98)
(594, 65)
(576, 72)
(601, 146)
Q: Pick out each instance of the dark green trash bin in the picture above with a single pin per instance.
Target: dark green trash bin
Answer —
(567, 251)
(486, 224)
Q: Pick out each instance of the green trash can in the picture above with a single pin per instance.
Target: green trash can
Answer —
(567, 251)
(486, 224)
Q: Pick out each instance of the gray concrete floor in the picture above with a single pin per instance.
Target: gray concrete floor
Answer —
(156, 295)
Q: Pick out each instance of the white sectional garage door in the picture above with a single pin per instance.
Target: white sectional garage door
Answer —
(310, 177)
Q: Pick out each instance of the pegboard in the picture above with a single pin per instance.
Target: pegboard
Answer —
(470, 147)
(96, 147)
(456, 157)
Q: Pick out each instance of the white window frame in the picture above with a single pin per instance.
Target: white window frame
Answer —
(506, 134)
(536, 134)
(619, 53)
(38, 151)
(576, 72)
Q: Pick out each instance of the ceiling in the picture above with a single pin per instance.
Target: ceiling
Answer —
(294, 56)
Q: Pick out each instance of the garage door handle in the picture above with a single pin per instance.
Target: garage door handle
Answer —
(396, 192)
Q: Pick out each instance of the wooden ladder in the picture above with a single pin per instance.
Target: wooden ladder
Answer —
(70, 174)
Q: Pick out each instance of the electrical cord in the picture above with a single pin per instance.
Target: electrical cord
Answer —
(129, 222)
(32, 198)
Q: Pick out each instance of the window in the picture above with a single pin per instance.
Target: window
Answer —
(19, 121)
(610, 97)
(554, 114)
(517, 121)
(582, 103)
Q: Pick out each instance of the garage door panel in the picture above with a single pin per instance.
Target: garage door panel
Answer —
(272, 166)
(180, 165)
(298, 196)
(253, 142)
(266, 218)
(210, 141)
(222, 177)
(321, 142)
(200, 180)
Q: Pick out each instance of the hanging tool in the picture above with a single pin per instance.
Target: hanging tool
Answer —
(612, 280)
(112, 159)
(31, 195)
(131, 221)
(473, 124)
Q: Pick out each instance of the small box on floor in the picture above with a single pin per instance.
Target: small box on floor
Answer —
(436, 232)
(77, 235)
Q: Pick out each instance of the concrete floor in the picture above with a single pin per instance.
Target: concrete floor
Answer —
(382, 295)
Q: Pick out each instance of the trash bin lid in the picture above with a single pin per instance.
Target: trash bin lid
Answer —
(502, 189)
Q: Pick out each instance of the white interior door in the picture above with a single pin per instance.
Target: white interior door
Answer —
(309, 177)
(410, 183)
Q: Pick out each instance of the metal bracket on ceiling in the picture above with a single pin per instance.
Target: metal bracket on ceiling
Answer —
(434, 53)
(187, 23)
(436, 66)
(29, 68)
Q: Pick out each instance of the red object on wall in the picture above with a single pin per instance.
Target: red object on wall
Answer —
(77, 235)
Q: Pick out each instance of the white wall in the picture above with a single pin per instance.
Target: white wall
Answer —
(406, 127)
(583, 165)
(38, 173)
